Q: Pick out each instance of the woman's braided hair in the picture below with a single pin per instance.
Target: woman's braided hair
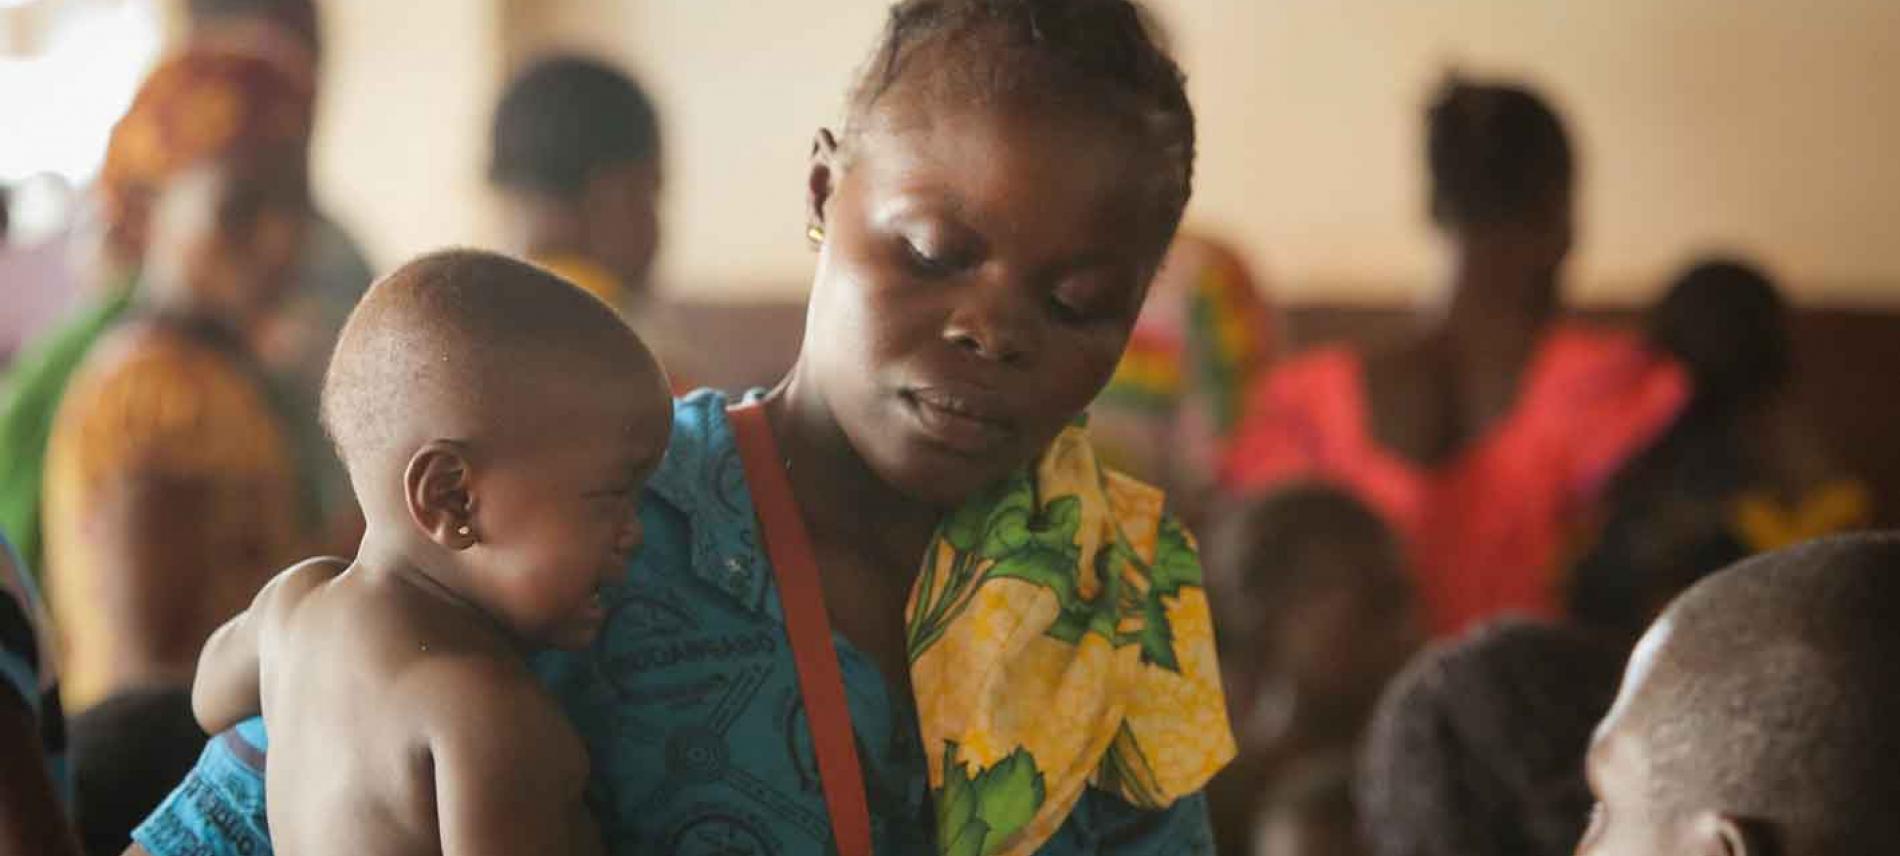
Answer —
(1102, 56)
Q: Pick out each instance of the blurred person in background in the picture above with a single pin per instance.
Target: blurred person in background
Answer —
(34, 792)
(1483, 439)
(332, 271)
(575, 158)
(1205, 333)
(1477, 748)
(1315, 612)
(292, 342)
(1738, 473)
(289, 30)
(173, 486)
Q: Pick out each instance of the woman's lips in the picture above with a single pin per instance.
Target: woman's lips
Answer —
(964, 423)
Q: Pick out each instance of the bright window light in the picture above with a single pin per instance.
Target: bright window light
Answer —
(61, 102)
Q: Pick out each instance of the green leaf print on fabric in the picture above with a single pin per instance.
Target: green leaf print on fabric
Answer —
(964, 528)
(1003, 535)
(975, 816)
(937, 602)
(1175, 567)
(1125, 770)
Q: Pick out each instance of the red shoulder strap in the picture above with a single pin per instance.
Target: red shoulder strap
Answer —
(809, 628)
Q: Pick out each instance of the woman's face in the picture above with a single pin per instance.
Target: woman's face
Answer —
(226, 237)
(978, 276)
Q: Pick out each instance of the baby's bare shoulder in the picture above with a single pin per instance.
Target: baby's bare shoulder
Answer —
(311, 573)
(289, 590)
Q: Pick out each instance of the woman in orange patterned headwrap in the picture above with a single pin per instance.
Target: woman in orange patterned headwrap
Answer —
(207, 103)
(171, 479)
(197, 107)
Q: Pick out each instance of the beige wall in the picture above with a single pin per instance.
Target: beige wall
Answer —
(401, 142)
(742, 86)
(1755, 124)
(402, 127)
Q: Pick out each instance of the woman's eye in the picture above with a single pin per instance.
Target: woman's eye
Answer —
(618, 494)
(1067, 311)
(924, 263)
(1081, 304)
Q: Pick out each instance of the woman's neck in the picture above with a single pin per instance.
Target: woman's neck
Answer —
(843, 502)
(548, 229)
(181, 307)
(1499, 305)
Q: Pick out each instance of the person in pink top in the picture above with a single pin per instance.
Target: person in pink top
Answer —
(1484, 438)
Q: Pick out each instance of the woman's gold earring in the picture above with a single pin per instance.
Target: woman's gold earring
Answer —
(816, 234)
(463, 530)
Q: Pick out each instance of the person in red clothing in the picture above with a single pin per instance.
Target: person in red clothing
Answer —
(1483, 438)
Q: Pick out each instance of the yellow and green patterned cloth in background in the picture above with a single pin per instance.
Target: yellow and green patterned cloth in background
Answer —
(1060, 638)
(1205, 335)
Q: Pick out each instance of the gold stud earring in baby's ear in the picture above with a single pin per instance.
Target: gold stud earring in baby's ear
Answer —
(463, 530)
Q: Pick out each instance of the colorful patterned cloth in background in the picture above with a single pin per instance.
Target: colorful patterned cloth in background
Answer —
(158, 403)
(1060, 639)
(202, 103)
(689, 700)
(1765, 522)
(593, 278)
(1485, 532)
(27, 667)
(1204, 335)
(1697, 502)
(29, 396)
(646, 312)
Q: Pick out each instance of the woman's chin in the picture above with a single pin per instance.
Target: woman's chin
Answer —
(942, 479)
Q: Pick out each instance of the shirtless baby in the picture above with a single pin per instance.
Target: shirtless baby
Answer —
(498, 424)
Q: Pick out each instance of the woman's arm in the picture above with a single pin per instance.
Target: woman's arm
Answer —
(219, 809)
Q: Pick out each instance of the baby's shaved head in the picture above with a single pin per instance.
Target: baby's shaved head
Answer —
(466, 345)
(1769, 692)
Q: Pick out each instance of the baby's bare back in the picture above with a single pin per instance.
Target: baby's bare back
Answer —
(386, 707)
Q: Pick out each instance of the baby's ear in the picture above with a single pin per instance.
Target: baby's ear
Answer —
(436, 490)
(1717, 834)
(820, 180)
